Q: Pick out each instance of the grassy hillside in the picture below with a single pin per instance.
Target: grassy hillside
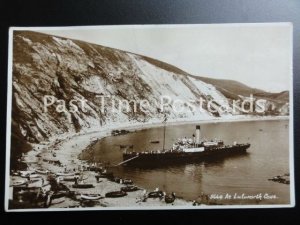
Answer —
(232, 89)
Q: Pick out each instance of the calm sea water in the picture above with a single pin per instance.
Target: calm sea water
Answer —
(268, 156)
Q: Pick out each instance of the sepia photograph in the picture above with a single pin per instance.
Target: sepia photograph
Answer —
(150, 117)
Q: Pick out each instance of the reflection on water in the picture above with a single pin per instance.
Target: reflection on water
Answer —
(248, 173)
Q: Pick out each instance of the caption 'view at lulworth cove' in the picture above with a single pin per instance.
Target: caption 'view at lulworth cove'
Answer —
(150, 117)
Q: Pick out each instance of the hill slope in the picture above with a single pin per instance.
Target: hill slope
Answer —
(71, 69)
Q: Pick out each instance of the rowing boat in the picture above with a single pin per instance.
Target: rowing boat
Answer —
(129, 188)
(31, 176)
(72, 178)
(41, 171)
(18, 182)
(90, 196)
(155, 194)
(26, 173)
(82, 186)
(115, 194)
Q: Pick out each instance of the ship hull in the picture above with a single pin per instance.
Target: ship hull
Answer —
(177, 157)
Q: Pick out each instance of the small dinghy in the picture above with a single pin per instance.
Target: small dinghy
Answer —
(82, 186)
(115, 194)
(72, 178)
(31, 177)
(130, 188)
(33, 181)
(156, 194)
(90, 197)
(34, 176)
(41, 171)
(27, 173)
(18, 182)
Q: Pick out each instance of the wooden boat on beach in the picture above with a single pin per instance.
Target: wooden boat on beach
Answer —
(156, 194)
(32, 176)
(90, 197)
(83, 186)
(52, 161)
(26, 173)
(115, 194)
(41, 171)
(129, 188)
(72, 178)
(33, 181)
(18, 182)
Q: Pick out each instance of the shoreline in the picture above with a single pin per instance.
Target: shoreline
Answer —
(68, 147)
(80, 141)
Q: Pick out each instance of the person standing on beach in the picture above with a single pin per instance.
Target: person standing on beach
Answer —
(76, 180)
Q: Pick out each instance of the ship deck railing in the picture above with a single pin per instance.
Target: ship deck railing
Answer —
(180, 151)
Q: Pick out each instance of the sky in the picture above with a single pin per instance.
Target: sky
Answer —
(258, 55)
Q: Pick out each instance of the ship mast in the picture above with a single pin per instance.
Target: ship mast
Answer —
(164, 140)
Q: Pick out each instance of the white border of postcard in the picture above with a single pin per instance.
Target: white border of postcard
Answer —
(9, 110)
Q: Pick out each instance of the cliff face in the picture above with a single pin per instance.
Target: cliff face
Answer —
(69, 69)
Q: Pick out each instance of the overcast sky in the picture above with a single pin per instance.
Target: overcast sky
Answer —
(257, 55)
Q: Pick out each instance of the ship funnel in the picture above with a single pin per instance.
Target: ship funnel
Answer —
(198, 134)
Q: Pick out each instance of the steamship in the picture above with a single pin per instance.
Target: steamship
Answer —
(185, 150)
